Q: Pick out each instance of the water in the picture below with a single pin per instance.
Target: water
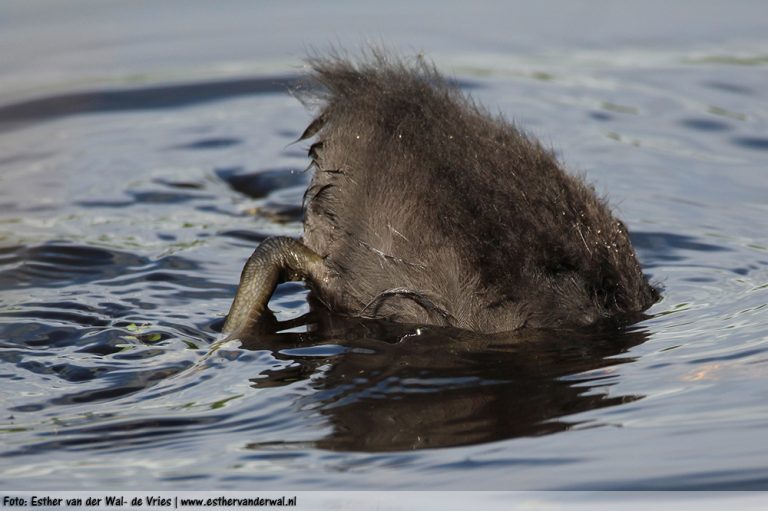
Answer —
(141, 163)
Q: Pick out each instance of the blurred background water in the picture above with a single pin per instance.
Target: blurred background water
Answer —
(145, 150)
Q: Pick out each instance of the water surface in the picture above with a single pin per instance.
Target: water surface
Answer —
(128, 205)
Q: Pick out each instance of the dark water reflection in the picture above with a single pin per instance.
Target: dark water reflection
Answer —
(127, 213)
(148, 98)
(386, 387)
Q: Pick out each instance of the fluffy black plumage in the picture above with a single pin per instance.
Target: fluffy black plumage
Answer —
(426, 209)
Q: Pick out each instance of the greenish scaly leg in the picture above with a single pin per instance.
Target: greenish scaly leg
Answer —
(276, 260)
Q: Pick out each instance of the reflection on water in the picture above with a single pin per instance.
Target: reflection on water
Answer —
(386, 387)
(126, 215)
(17, 115)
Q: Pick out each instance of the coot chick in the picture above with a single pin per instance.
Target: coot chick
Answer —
(426, 209)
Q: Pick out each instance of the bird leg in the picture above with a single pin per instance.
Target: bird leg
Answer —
(277, 259)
